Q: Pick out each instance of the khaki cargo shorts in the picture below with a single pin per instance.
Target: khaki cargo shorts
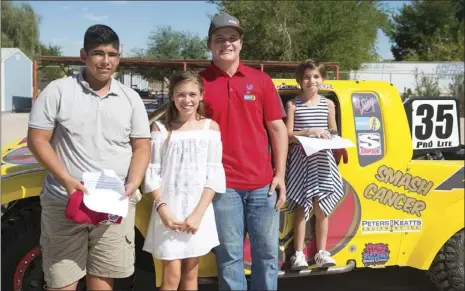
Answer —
(70, 250)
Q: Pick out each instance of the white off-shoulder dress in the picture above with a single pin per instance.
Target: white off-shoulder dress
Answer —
(182, 168)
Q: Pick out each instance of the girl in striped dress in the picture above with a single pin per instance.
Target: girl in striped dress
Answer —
(312, 182)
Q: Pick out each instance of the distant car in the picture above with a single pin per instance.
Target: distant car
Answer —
(151, 106)
(161, 95)
(144, 93)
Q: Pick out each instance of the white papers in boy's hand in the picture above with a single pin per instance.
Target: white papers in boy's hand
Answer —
(105, 193)
(312, 145)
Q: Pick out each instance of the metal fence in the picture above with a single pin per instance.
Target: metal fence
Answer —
(446, 77)
(407, 77)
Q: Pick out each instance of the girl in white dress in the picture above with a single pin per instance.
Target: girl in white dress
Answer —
(183, 176)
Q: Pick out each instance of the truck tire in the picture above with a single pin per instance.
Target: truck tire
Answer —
(447, 269)
(22, 257)
(21, 253)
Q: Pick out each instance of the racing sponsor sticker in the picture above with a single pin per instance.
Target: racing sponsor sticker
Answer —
(368, 127)
(361, 123)
(367, 123)
(369, 144)
(391, 225)
(375, 254)
(365, 103)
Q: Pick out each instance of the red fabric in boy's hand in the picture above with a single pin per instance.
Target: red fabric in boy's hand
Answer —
(78, 212)
(338, 153)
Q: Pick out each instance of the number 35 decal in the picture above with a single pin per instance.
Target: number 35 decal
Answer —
(444, 121)
(435, 124)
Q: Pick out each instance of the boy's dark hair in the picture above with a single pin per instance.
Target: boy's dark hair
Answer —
(100, 34)
(312, 65)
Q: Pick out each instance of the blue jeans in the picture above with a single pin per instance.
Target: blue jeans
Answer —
(236, 212)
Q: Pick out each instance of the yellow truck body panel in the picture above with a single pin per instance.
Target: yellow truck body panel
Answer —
(396, 210)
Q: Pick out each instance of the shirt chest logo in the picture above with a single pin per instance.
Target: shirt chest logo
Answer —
(249, 95)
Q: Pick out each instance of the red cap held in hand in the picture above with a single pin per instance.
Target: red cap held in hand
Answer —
(78, 212)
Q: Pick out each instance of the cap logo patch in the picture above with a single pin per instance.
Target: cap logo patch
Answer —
(233, 22)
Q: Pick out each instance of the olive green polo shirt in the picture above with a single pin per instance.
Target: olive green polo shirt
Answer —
(91, 133)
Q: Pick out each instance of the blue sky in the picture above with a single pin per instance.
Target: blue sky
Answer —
(63, 23)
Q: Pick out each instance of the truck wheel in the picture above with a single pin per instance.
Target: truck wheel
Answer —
(22, 256)
(447, 269)
(21, 253)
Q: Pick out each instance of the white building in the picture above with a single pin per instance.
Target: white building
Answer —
(16, 80)
(402, 74)
(133, 80)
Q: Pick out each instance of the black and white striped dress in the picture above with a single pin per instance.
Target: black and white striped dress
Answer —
(315, 176)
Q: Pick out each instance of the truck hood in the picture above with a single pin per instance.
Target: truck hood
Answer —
(17, 159)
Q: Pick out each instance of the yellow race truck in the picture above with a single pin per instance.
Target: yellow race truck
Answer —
(403, 203)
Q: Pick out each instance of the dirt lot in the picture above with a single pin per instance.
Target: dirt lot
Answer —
(14, 126)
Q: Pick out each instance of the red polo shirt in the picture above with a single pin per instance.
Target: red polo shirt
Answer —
(241, 105)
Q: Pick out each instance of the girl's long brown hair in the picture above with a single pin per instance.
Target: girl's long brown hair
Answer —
(172, 111)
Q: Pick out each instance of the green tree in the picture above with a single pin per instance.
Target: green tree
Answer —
(20, 27)
(406, 94)
(297, 30)
(47, 71)
(456, 89)
(426, 86)
(428, 31)
(166, 43)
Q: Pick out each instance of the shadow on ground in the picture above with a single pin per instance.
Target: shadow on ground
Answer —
(389, 279)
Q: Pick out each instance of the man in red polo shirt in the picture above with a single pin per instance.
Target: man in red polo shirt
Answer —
(248, 109)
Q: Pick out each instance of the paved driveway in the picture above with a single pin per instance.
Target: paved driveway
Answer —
(14, 126)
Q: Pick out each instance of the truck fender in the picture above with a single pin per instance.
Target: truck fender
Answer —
(22, 185)
(436, 233)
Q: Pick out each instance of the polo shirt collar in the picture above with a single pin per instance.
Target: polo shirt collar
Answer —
(114, 88)
(241, 69)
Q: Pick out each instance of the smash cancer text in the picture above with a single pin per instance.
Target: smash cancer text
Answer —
(394, 199)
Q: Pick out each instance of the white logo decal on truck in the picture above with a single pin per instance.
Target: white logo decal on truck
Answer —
(369, 144)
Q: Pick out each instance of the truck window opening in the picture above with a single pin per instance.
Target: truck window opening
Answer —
(330, 95)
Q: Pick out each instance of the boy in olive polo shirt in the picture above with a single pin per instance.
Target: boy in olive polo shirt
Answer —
(88, 123)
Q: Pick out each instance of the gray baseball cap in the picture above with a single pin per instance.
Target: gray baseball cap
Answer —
(222, 21)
